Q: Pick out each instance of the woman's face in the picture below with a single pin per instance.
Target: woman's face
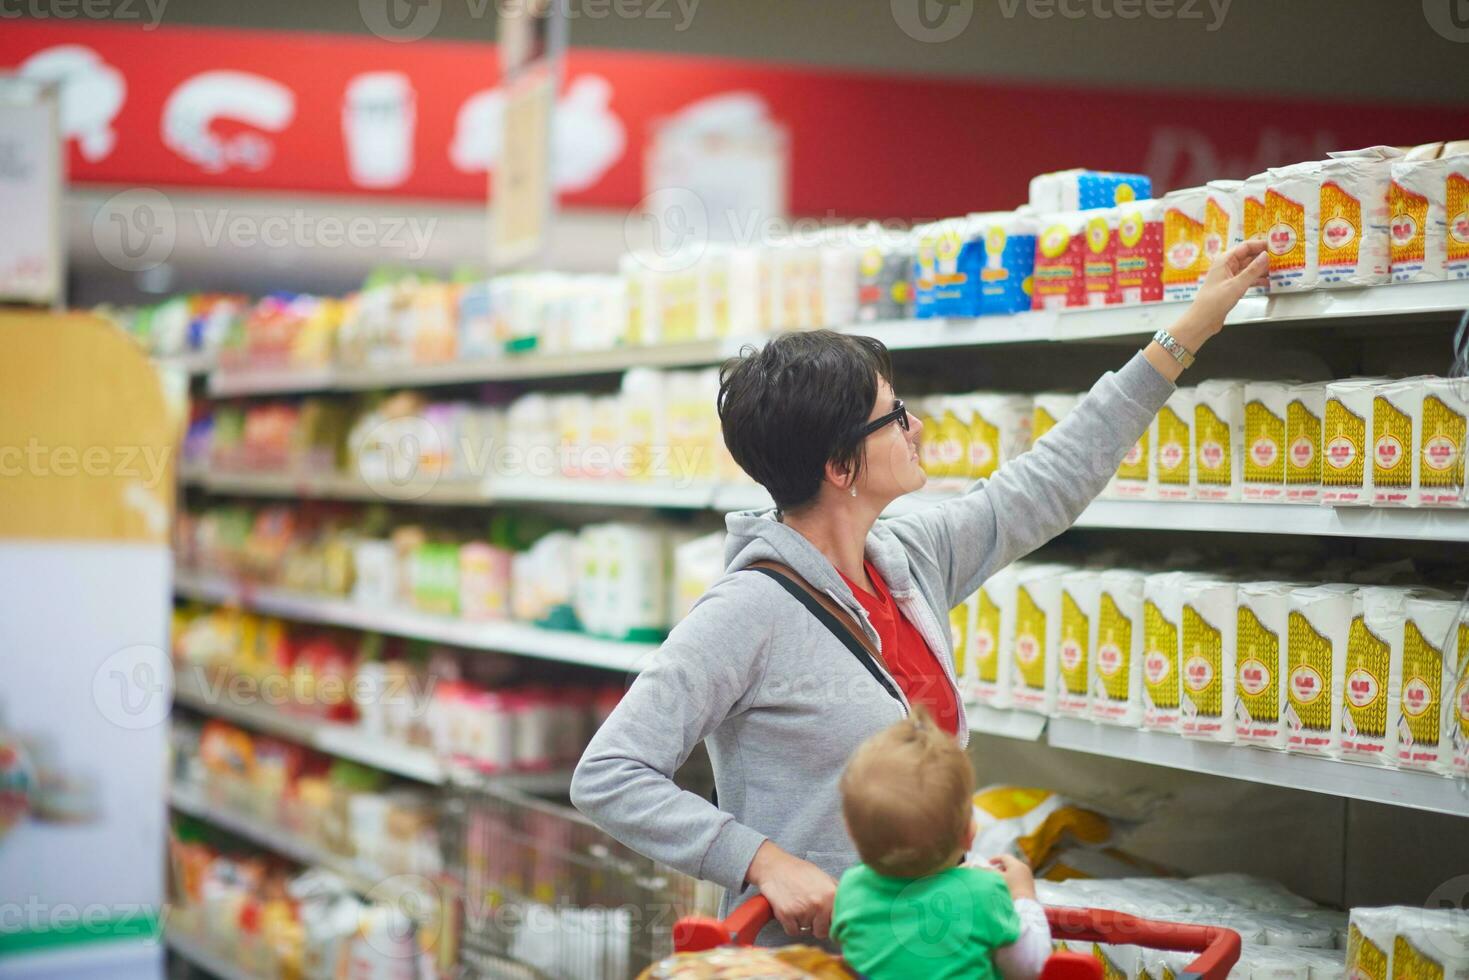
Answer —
(890, 465)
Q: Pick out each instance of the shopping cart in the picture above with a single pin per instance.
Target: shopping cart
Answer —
(1218, 948)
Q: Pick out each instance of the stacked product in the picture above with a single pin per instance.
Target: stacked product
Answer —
(1370, 673)
(196, 324)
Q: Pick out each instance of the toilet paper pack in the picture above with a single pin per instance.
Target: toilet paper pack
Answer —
(1429, 201)
(1049, 408)
(885, 277)
(1397, 408)
(1207, 660)
(1080, 592)
(1262, 662)
(1293, 217)
(988, 681)
(1441, 442)
(1138, 258)
(1037, 633)
(1116, 643)
(1218, 434)
(1099, 258)
(1059, 279)
(1304, 409)
(1006, 282)
(1173, 469)
(1429, 665)
(1346, 476)
(1264, 441)
(1253, 215)
(1184, 259)
(1354, 217)
(1319, 625)
(1080, 190)
(1374, 667)
(1162, 612)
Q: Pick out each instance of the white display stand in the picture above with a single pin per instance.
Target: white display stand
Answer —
(85, 499)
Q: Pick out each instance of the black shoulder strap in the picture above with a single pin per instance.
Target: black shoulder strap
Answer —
(835, 626)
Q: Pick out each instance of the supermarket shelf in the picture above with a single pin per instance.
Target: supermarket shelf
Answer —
(193, 363)
(606, 493)
(1403, 524)
(198, 953)
(1416, 790)
(1116, 322)
(1023, 725)
(514, 638)
(334, 738)
(339, 487)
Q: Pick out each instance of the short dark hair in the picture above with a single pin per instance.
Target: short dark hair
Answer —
(790, 407)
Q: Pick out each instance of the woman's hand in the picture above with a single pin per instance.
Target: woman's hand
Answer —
(1234, 272)
(800, 893)
(1017, 875)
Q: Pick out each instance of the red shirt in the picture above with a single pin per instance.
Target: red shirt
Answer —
(913, 665)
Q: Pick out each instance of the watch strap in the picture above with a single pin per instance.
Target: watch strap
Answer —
(1180, 353)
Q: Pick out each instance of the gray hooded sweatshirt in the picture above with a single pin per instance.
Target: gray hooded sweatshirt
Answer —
(780, 702)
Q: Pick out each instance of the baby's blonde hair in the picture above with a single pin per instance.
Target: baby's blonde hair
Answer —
(907, 796)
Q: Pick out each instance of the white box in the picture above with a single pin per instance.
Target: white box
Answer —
(1373, 674)
(1439, 449)
(1173, 471)
(1346, 476)
(1264, 441)
(1218, 433)
(1162, 611)
(1428, 673)
(1262, 663)
(1080, 592)
(1320, 622)
(1304, 410)
(1117, 649)
(1037, 633)
(1396, 409)
(994, 628)
(1206, 660)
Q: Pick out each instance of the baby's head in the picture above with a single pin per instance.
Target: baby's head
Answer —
(907, 797)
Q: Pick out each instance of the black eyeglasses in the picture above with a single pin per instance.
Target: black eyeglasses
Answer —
(899, 414)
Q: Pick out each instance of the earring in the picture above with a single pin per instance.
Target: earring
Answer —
(854, 489)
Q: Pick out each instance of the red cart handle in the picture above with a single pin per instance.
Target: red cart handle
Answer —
(1219, 947)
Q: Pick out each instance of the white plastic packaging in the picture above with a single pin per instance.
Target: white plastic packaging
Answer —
(1207, 660)
(1134, 477)
(1037, 632)
(992, 639)
(1218, 434)
(1373, 675)
(1293, 218)
(1429, 666)
(1397, 409)
(1429, 201)
(1117, 648)
(1440, 445)
(1304, 410)
(1264, 447)
(1080, 592)
(1346, 470)
(1048, 409)
(1184, 257)
(1173, 469)
(1262, 663)
(1162, 612)
(1320, 623)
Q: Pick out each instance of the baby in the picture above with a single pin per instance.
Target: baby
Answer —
(910, 909)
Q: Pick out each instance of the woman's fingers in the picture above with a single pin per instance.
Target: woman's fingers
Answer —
(821, 925)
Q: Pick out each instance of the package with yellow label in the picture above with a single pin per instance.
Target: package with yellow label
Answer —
(1134, 477)
(1263, 451)
(1403, 941)
(1293, 225)
(1354, 217)
(1116, 643)
(1080, 592)
(1173, 457)
(1037, 632)
(1049, 408)
(945, 448)
(1207, 660)
(1305, 407)
(1218, 433)
(1458, 714)
(989, 663)
(1430, 634)
(1440, 445)
(1138, 257)
(999, 428)
(1397, 408)
(1184, 258)
(1099, 258)
(1223, 218)
(961, 635)
(1346, 463)
(1429, 201)
(1252, 217)
(1374, 666)
(1162, 614)
(1320, 623)
(1262, 663)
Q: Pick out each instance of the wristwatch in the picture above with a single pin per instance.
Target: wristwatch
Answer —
(1180, 353)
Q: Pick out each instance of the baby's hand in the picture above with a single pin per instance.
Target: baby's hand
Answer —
(1016, 874)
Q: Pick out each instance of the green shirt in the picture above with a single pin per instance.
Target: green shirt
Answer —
(944, 925)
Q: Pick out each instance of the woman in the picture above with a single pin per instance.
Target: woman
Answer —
(780, 700)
